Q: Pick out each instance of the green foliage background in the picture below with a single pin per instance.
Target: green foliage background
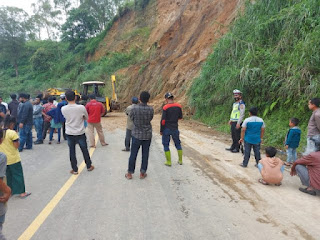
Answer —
(271, 53)
(46, 64)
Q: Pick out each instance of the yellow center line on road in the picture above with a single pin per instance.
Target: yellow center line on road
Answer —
(43, 215)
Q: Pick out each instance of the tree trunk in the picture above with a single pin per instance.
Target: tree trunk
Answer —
(16, 67)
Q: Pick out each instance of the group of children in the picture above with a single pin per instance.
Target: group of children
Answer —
(272, 167)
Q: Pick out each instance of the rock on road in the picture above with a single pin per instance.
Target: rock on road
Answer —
(208, 197)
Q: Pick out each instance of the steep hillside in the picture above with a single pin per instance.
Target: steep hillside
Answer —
(175, 38)
(271, 53)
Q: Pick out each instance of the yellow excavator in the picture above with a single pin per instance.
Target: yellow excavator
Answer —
(92, 87)
(58, 91)
(96, 88)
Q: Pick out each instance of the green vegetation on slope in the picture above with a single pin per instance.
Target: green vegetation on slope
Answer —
(271, 53)
(45, 64)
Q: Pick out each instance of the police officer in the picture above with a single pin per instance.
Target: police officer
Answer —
(236, 119)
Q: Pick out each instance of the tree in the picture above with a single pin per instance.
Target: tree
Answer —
(102, 10)
(80, 25)
(45, 16)
(14, 26)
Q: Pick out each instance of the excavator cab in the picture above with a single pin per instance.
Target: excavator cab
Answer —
(96, 88)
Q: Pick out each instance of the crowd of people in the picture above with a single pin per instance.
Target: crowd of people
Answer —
(250, 132)
(70, 119)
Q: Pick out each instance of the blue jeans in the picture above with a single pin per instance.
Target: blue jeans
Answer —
(135, 146)
(260, 166)
(38, 125)
(247, 151)
(25, 135)
(82, 141)
(52, 131)
(291, 155)
(128, 139)
(166, 139)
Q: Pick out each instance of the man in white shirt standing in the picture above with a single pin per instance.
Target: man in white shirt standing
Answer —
(75, 131)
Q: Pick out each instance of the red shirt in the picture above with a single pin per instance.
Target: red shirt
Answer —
(94, 109)
(312, 162)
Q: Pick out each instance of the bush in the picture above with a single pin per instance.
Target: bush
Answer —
(271, 53)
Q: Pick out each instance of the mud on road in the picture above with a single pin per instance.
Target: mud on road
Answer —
(284, 208)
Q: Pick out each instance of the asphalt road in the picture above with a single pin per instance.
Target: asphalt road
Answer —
(180, 202)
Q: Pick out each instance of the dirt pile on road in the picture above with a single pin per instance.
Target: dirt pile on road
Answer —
(175, 36)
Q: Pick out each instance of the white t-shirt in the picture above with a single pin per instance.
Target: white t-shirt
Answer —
(75, 116)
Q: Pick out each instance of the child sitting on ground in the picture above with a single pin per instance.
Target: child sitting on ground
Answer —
(271, 168)
(292, 141)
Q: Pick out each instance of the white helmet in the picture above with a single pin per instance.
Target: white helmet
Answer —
(236, 91)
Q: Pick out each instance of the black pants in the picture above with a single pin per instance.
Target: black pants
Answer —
(136, 143)
(82, 141)
(64, 131)
(46, 126)
(235, 134)
(128, 139)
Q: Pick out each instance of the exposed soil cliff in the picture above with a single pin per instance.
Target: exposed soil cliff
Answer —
(175, 36)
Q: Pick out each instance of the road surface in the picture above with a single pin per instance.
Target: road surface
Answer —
(208, 197)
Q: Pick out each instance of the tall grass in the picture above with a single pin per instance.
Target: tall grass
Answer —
(271, 53)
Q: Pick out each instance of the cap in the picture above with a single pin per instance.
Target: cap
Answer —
(168, 95)
(236, 91)
(62, 95)
(135, 100)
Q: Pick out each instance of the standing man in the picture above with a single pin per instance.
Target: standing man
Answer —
(95, 109)
(313, 125)
(236, 118)
(13, 108)
(25, 119)
(60, 105)
(3, 111)
(75, 131)
(13, 105)
(46, 118)
(252, 134)
(171, 114)
(141, 116)
(130, 125)
(38, 120)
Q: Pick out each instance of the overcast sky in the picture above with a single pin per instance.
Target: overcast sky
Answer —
(24, 4)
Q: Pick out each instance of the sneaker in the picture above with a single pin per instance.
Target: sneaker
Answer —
(143, 175)
(241, 165)
(74, 172)
(234, 151)
(128, 176)
(125, 150)
(229, 149)
(38, 142)
(90, 168)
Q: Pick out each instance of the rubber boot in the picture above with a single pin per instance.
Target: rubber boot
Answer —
(180, 156)
(168, 157)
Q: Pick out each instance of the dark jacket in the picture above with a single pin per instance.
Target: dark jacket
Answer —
(13, 108)
(293, 137)
(56, 114)
(25, 114)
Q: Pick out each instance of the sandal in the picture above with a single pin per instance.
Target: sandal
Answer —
(263, 182)
(287, 164)
(27, 194)
(74, 172)
(128, 176)
(311, 192)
